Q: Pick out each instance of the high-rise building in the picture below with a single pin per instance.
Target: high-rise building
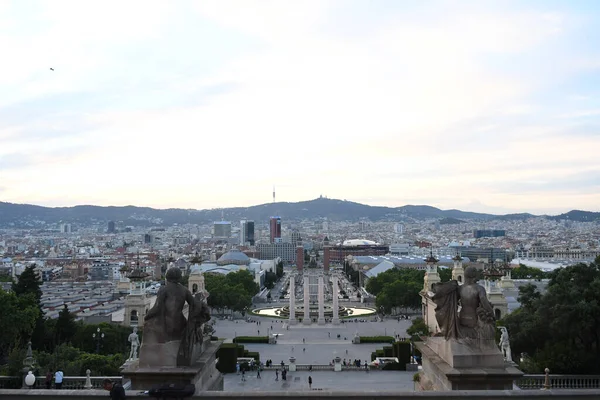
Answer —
(65, 228)
(481, 233)
(222, 229)
(111, 227)
(275, 229)
(247, 233)
(295, 238)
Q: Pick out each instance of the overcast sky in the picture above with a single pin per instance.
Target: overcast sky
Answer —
(477, 105)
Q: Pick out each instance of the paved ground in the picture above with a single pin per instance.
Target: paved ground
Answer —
(325, 380)
(320, 345)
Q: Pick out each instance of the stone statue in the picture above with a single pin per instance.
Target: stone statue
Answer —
(135, 342)
(198, 315)
(165, 326)
(505, 344)
(165, 321)
(475, 320)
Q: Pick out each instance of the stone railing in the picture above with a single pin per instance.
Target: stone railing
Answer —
(69, 382)
(532, 382)
(322, 367)
(21, 394)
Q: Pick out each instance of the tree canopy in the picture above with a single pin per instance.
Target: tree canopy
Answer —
(560, 329)
(525, 272)
(28, 283)
(397, 288)
(17, 320)
(233, 291)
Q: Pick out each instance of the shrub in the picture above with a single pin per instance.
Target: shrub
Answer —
(254, 354)
(251, 339)
(376, 339)
(227, 354)
(388, 351)
(402, 352)
(394, 366)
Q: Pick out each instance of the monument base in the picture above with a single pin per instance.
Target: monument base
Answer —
(335, 321)
(321, 321)
(292, 321)
(203, 374)
(451, 365)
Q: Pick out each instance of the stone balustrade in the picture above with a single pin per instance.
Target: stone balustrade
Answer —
(526, 382)
(532, 382)
(43, 394)
(69, 382)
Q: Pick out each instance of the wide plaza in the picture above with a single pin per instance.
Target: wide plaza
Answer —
(322, 380)
(311, 344)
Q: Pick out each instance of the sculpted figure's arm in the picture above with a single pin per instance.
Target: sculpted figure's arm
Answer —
(483, 300)
(160, 301)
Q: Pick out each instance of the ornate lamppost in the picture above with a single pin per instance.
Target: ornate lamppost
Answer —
(98, 336)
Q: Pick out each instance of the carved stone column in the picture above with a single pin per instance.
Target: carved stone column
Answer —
(336, 317)
(321, 320)
(306, 320)
(292, 320)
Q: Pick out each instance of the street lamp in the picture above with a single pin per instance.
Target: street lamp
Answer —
(98, 337)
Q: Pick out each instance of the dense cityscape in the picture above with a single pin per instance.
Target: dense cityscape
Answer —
(320, 199)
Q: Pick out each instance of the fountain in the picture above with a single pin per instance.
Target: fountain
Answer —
(317, 311)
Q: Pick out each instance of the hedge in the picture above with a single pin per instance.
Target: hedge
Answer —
(388, 351)
(394, 366)
(227, 354)
(401, 351)
(251, 339)
(376, 339)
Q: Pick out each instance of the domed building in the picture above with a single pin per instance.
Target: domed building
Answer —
(235, 257)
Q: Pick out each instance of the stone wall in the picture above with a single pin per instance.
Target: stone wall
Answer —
(42, 394)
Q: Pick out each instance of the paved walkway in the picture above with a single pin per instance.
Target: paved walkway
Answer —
(324, 380)
(312, 344)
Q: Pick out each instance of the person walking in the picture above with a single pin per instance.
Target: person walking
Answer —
(310, 382)
(49, 379)
(116, 389)
(276, 374)
(258, 372)
(58, 378)
(243, 374)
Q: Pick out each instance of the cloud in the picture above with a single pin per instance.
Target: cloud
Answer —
(430, 100)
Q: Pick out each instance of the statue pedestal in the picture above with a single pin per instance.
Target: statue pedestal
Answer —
(451, 365)
(203, 373)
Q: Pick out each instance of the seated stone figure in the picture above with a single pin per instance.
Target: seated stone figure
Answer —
(165, 325)
(198, 315)
(475, 320)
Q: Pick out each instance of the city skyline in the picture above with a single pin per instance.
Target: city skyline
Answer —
(470, 105)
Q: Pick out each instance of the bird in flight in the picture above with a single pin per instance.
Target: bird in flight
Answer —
(51, 69)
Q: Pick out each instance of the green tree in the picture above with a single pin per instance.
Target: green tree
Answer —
(17, 320)
(418, 328)
(525, 272)
(29, 283)
(560, 329)
(270, 278)
(445, 274)
(65, 327)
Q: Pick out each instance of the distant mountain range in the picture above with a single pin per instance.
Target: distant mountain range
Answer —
(25, 215)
